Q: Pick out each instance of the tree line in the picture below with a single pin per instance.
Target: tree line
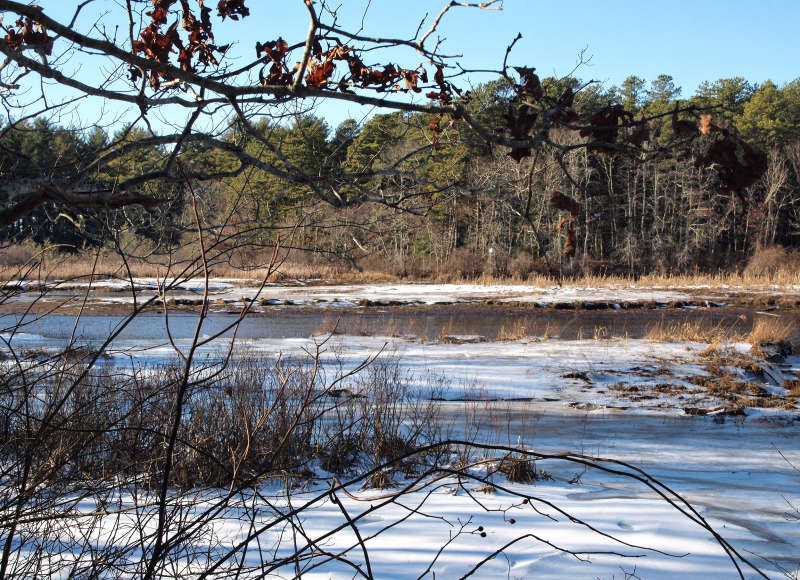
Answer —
(447, 202)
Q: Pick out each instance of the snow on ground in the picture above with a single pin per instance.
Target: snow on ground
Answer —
(448, 516)
(646, 522)
(633, 374)
(233, 291)
(553, 396)
(454, 293)
(524, 369)
(622, 374)
(632, 529)
(730, 470)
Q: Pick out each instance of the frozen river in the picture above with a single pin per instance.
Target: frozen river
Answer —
(555, 384)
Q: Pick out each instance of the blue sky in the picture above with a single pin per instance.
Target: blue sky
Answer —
(692, 41)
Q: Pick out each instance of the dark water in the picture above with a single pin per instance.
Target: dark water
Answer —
(423, 322)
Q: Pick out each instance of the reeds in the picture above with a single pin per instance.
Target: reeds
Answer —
(517, 331)
(765, 331)
(767, 269)
(693, 331)
(771, 330)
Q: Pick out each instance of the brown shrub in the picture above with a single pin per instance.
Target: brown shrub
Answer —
(467, 263)
(18, 254)
(518, 470)
(775, 262)
(523, 265)
(379, 480)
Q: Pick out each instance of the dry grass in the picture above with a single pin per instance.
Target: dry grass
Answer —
(379, 480)
(768, 268)
(731, 388)
(777, 332)
(784, 277)
(725, 383)
(518, 470)
(554, 329)
(717, 357)
(792, 388)
(447, 331)
(771, 330)
(517, 331)
(47, 265)
(692, 331)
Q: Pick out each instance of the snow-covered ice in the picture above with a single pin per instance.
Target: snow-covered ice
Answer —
(551, 396)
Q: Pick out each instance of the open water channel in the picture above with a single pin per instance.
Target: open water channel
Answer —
(426, 323)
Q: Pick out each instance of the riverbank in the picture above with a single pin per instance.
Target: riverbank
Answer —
(233, 294)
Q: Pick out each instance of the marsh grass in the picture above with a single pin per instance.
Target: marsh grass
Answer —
(600, 333)
(792, 388)
(517, 470)
(447, 331)
(697, 330)
(767, 269)
(771, 330)
(733, 389)
(33, 263)
(332, 324)
(736, 377)
(517, 331)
